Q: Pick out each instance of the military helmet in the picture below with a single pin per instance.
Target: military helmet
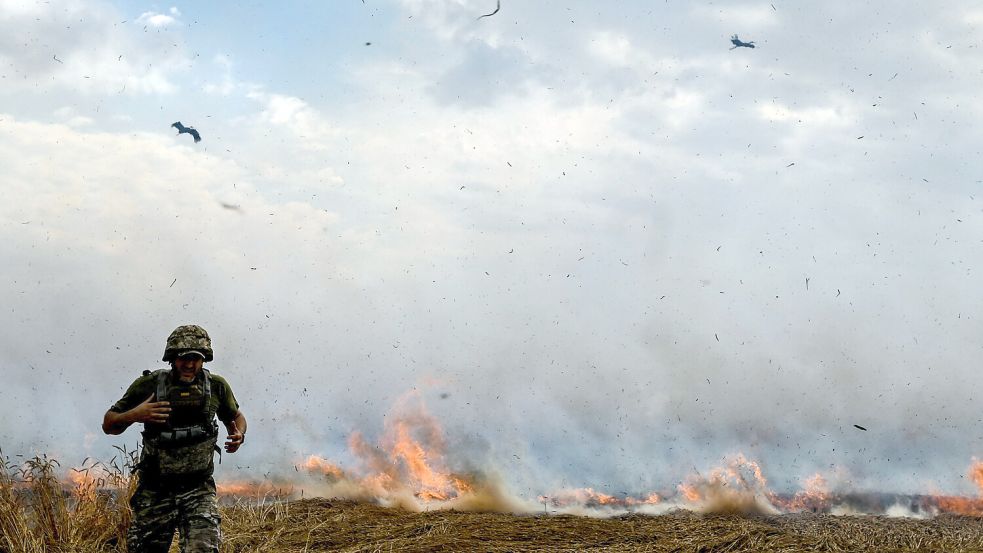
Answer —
(188, 337)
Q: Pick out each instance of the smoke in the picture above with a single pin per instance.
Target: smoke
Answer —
(739, 487)
(604, 263)
(407, 467)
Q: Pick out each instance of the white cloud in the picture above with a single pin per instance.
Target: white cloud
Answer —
(71, 117)
(308, 126)
(227, 85)
(815, 115)
(86, 49)
(449, 19)
(79, 121)
(615, 48)
(740, 17)
(155, 19)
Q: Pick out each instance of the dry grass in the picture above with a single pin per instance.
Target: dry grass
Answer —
(38, 513)
(345, 526)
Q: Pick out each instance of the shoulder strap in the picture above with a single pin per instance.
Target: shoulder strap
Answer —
(206, 388)
(162, 383)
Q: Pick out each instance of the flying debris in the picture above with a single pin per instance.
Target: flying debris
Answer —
(190, 130)
(860, 427)
(498, 6)
(740, 43)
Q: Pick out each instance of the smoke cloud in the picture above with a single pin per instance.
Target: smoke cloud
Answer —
(600, 249)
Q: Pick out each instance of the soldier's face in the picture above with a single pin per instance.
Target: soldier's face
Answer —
(187, 368)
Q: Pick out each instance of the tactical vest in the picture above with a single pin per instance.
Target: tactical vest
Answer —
(183, 449)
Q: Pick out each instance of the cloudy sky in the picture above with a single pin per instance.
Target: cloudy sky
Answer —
(604, 248)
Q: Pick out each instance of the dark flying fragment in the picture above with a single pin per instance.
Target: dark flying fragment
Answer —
(498, 6)
(738, 43)
(860, 427)
(190, 130)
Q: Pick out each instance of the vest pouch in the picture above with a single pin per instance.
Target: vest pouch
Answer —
(188, 460)
(183, 452)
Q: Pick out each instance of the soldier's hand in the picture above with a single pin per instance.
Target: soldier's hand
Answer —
(151, 411)
(234, 441)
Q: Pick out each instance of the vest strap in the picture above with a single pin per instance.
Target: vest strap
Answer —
(163, 380)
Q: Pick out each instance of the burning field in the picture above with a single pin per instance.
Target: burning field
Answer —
(408, 467)
(403, 493)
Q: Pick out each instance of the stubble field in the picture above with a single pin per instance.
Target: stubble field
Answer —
(338, 525)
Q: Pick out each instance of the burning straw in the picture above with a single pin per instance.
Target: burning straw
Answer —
(408, 467)
(86, 512)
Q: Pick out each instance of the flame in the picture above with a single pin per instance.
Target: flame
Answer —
(976, 473)
(408, 459)
(408, 466)
(84, 484)
(588, 497)
(968, 506)
(955, 505)
(432, 483)
(322, 466)
(253, 489)
(81, 478)
(815, 496)
(651, 499)
(690, 492)
(737, 487)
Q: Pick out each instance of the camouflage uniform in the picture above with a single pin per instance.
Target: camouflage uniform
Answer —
(157, 512)
(175, 487)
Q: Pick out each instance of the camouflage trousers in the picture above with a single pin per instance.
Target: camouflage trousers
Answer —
(158, 511)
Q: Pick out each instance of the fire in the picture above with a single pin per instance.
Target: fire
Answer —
(81, 478)
(253, 489)
(814, 497)
(588, 497)
(322, 466)
(408, 466)
(431, 481)
(85, 484)
(955, 505)
(965, 505)
(690, 492)
(737, 487)
(87, 481)
(408, 459)
(976, 473)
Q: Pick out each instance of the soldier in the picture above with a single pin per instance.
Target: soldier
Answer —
(177, 407)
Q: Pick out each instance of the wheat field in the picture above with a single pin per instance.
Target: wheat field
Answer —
(88, 513)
